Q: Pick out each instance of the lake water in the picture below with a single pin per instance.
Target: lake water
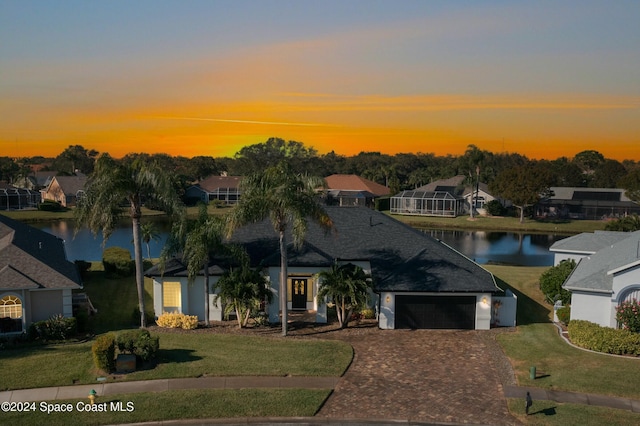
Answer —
(508, 248)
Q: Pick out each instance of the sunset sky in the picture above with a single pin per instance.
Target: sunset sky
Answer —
(541, 78)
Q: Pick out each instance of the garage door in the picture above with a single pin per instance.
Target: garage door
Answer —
(449, 312)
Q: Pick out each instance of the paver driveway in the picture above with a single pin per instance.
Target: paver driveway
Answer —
(421, 375)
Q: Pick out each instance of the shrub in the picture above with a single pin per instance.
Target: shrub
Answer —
(495, 208)
(177, 320)
(104, 352)
(57, 327)
(368, 313)
(138, 342)
(564, 314)
(50, 206)
(552, 279)
(604, 339)
(135, 317)
(628, 315)
(117, 262)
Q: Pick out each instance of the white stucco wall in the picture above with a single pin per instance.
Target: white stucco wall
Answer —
(592, 307)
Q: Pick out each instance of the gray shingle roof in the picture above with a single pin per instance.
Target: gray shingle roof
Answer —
(588, 243)
(31, 258)
(401, 258)
(595, 272)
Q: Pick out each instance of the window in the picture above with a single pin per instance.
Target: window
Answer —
(10, 314)
(171, 297)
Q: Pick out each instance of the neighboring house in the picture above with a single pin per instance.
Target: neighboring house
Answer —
(36, 180)
(222, 188)
(36, 279)
(419, 281)
(66, 190)
(586, 203)
(353, 190)
(604, 279)
(582, 245)
(12, 198)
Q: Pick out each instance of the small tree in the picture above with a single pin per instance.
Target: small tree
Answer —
(242, 290)
(552, 279)
(348, 287)
(628, 315)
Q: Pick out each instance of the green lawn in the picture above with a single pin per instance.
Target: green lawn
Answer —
(556, 413)
(176, 405)
(560, 367)
(181, 355)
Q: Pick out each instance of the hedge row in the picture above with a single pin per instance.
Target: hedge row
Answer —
(603, 339)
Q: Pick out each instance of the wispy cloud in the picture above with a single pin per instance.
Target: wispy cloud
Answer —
(273, 123)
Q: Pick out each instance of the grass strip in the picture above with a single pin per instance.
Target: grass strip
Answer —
(551, 413)
(174, 405)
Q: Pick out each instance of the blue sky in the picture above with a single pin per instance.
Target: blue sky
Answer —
(545, 79)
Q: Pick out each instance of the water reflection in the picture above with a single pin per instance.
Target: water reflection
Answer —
(510, 248)
(484, 247)
(84, 246)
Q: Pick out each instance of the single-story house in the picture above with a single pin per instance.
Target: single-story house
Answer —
(36, 279)
(222, 188)
(582, 245)
(604, 279)
(419, 282)
(586, 203)
(353, 190)
(66, 190)
(12, 198)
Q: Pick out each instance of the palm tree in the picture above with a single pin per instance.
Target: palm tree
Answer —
(243, 289)
(197, 242)
(348, 287)
(117, 187)
(288, 199)
(148, 232)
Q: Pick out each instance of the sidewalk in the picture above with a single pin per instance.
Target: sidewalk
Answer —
(105, 389)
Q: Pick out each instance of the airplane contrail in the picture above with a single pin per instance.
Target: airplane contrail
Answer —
(223, 120)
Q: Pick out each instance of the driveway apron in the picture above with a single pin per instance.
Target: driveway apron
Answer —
(421, 375)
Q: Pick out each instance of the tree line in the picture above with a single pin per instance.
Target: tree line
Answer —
(399, 172)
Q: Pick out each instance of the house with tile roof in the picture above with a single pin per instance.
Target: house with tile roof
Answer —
(66, 190)
(223, 188)
(419, 282)
(353, 190)
(607, 275)
(36, 279)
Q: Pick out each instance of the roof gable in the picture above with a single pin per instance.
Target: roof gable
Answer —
(355, 183)
(596, 272)
(35, 254)
(212, 183)
(69, 185)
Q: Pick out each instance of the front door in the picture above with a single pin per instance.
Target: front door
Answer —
(299, 293)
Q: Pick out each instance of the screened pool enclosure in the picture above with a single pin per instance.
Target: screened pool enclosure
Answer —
(427, 203)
